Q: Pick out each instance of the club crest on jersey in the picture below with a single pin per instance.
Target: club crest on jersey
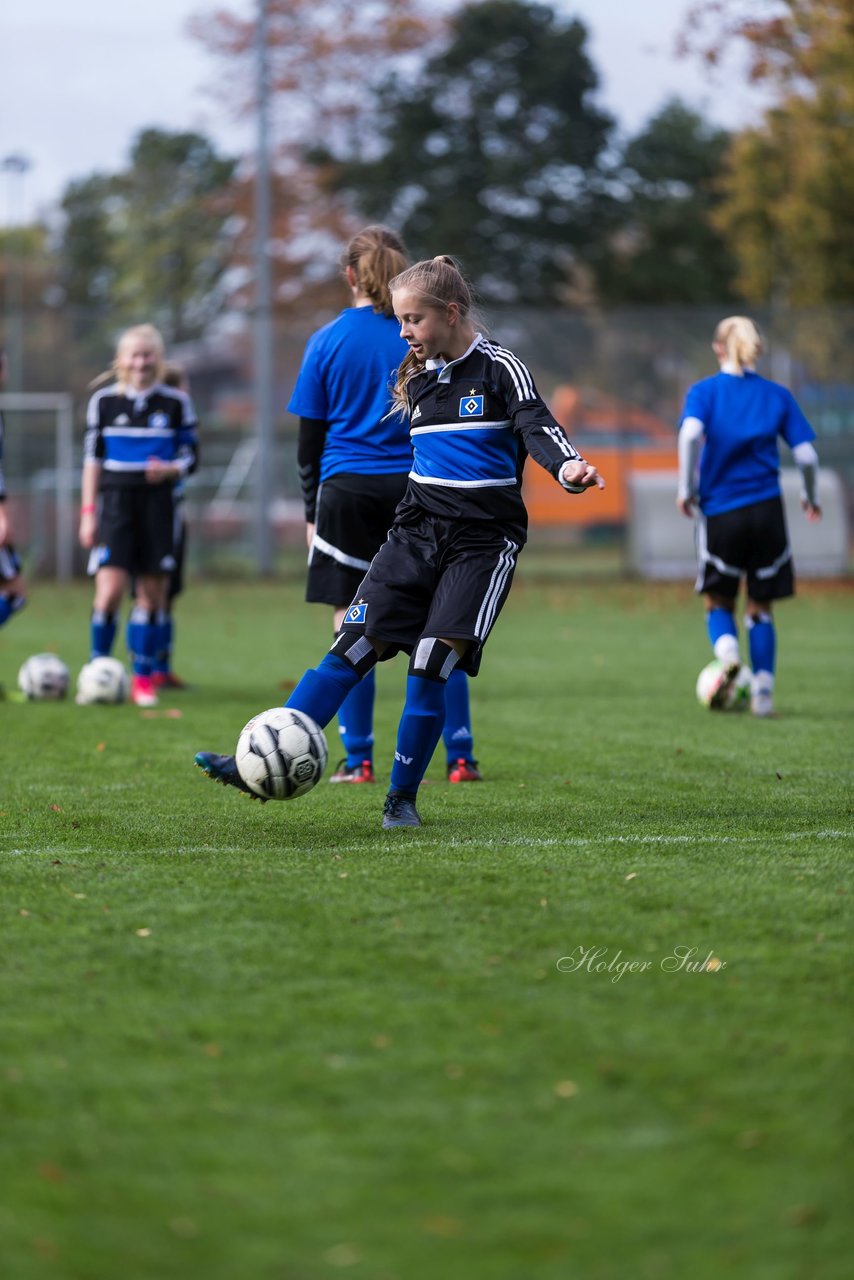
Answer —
(358, 612)
(471, 407)
(158, 420)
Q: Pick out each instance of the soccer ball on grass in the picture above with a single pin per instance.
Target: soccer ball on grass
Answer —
(43, 676)
(102, 680)
(709, 681)
(281, 754)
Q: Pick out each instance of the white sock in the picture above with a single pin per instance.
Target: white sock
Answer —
(726, 650)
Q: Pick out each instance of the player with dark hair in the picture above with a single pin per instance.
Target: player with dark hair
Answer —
(436, 586)
(354, 458)
(140, 442)
(12, 591)
(735, 418)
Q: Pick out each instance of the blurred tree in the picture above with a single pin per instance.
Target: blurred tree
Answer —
(663, 246)
(492, 151)
(152, 242)
(788, 188)
(324, 59)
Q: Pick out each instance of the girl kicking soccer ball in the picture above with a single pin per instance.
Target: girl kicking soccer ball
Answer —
(437, 585)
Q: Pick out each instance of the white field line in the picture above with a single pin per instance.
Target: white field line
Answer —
(456, 842)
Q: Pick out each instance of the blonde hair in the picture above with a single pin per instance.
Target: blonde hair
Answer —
(741, 340)
(375, 255)
(436, 282)
(137, 333)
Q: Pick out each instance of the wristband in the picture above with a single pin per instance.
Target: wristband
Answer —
(88, 510)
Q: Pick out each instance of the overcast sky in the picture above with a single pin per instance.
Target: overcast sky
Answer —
(79, 79)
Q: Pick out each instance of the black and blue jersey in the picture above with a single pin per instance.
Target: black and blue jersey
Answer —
(123, 431)
(742, 416)
(473, 422)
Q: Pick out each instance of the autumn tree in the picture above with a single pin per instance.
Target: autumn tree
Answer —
(788, 187)
(324, 58)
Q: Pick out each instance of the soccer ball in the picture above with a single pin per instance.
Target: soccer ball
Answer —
(102, 680)
(709, 681)
(43, 676)
(281, 754)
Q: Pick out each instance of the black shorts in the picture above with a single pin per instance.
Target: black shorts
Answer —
(750, 541)
(435, 577)
(10, 564)
(354, 515)
(179, 539)
(136, 530)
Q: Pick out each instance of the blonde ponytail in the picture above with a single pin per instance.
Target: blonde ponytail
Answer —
(740, 340)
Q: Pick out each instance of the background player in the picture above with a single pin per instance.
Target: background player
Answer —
(354, 458)
(436, 586)
(736, 417)
(12, 591)
(140, 441)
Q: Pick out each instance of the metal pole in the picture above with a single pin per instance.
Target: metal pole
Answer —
(263, 308)
(17, 167)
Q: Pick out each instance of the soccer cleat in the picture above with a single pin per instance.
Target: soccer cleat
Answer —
(168, 680)
(721, 695)
(762, 703)
(345, 772)
(224, 769)
(463, 770)
(142, 691)
(400, 811)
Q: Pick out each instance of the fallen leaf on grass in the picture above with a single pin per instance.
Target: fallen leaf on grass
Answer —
(143, 933)
(441, 1225)
(566, 1088)
(56, 808)
(51, 1172)
(633, 875)
(102, 746)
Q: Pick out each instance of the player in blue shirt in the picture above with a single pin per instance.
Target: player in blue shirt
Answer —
(354, 457)
(731, 423)
(140, 442)
(436, 586)
(12, 595)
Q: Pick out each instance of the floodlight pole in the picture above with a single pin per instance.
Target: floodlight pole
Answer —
(264, 408)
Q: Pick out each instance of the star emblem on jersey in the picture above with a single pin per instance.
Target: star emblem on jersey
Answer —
(471, 407)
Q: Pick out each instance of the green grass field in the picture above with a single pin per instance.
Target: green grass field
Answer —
(245, 1042)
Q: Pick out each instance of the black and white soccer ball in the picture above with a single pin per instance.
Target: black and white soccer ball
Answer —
(281, 754)
(102, 680)
(43, 676)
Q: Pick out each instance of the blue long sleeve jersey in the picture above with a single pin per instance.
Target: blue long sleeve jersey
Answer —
(473, 422)
(123, 431)
(742, 417)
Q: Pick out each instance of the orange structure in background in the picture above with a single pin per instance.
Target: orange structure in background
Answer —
(619, 438)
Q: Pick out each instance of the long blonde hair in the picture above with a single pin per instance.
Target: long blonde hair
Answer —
(436, 282)
(136, 333)
(741, 340)
(375, 255)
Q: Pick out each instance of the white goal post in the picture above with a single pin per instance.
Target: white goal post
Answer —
(63, 477)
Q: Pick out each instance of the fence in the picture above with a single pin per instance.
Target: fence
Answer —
(616, 380)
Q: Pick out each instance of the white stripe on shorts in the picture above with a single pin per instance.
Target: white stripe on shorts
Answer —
(320, 544)
(500, 574)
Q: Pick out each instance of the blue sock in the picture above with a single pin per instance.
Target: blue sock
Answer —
(102, 632)
(721, 622)
(323, 689)
(163, 642)
(10, 605)
(418, 733)
(457, 730)
(356, 720)
(763, 642)
(141, 640)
